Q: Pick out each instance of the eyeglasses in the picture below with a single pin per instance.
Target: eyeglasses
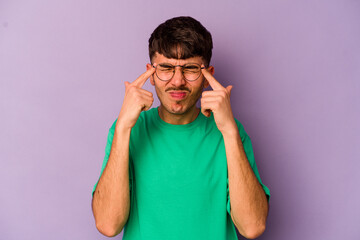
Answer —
(166, 71)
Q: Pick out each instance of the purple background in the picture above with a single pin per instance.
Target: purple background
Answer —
(295, 68)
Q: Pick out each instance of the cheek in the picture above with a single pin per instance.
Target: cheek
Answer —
(159, 88)
(198, 88)
(196, 92)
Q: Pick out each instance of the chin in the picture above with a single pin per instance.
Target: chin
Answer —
(176, 109)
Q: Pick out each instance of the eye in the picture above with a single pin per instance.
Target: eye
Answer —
(165, 67)
(191, 68)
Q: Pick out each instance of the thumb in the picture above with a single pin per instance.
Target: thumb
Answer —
(206, 112)
(127, 84)
(228, 89)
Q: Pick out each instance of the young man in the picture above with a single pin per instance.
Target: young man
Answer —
(177, 171)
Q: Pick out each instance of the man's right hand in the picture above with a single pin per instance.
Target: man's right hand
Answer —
(136, 100)
(111, 201)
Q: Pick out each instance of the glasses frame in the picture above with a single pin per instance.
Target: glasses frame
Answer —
(182, 71)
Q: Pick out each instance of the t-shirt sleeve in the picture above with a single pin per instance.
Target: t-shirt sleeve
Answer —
(107, 154)
(250, 156)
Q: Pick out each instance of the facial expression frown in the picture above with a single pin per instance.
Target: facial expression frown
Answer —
(178, 96)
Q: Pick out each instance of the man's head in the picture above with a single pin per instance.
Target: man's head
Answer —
(181, 38)
(179, 43)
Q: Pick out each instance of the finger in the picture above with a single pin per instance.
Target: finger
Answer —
(140, 81)
(133, 90)
(215, 85)
(206, 112)
(228, 89)
(147, 104)
(210, 100)
(211, 105)
(214, 93)
(206, 107)
(208, 93)
(147, 98)
(143, 102)
(145, 92)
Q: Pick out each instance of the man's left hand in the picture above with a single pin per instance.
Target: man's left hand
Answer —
(218, 102)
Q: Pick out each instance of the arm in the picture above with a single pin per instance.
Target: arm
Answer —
(249, 207)
(111, 199)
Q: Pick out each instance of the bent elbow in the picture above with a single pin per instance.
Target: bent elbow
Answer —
(108, 230)
(254, 232)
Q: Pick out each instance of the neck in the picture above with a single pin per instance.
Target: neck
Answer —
(178, 119)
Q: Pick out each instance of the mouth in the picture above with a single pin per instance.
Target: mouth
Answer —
(178, 95)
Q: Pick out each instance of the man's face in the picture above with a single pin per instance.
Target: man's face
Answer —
(178, 96)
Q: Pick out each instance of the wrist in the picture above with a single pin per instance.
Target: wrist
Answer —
(122, 127)
(231, 131)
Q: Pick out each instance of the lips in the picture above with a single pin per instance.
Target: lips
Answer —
(178, 95)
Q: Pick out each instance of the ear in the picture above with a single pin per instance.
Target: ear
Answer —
(210, 69)
(149, 66)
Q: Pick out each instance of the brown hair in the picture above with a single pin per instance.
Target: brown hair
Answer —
(181, 38)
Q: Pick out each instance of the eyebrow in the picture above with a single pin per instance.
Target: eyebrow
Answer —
(166, 65)
(171, 65)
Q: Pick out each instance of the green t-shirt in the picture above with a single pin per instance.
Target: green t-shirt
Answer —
(178, 179)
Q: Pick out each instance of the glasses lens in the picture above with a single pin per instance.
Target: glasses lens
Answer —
(165, 71)
(191, 72)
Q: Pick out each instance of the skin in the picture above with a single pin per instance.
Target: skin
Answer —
(178, 97)
(111, 199)
(173, 110)
(249, 206)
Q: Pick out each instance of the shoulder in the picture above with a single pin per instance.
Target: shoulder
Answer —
(143, 117)
(146, 117)
(149, 114)
(241, 129)
(144, 123)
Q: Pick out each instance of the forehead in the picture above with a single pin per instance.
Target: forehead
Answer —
(159, 58)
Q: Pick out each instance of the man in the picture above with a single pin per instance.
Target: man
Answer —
(172, 172)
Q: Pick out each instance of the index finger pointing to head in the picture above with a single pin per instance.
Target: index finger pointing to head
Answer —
(215, 85)
(140, 81)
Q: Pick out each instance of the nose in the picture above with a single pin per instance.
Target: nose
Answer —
(178, 78)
